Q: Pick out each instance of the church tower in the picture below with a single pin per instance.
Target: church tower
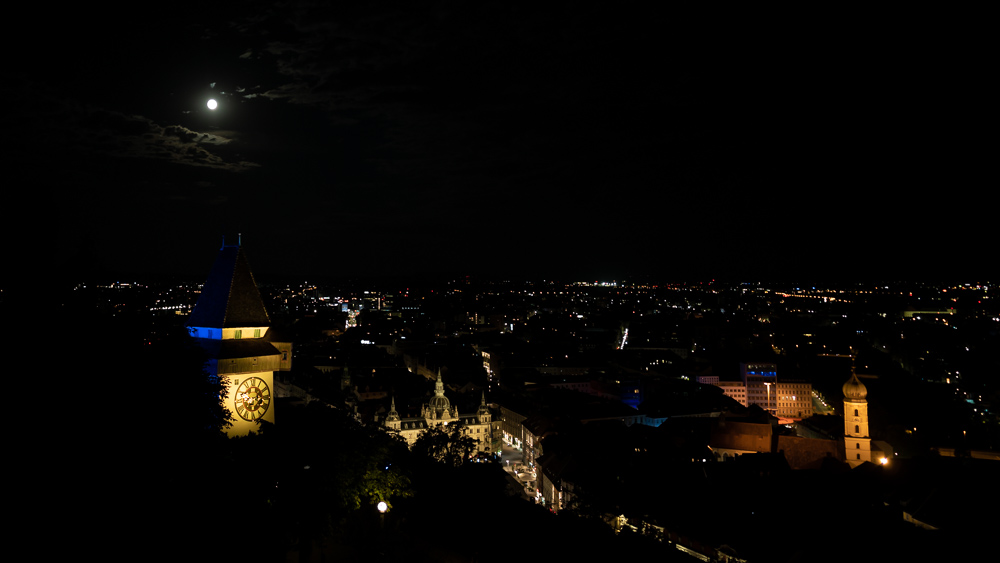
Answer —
(483, 414)
(229, 321)
(857, 443)
(392, 419)
(439, 407)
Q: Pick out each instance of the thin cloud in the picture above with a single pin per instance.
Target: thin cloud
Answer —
(58, 126)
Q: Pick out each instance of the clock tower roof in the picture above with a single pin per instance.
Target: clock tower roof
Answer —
(229, 298)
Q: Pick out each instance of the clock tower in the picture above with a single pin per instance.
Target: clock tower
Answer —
(229, 321)
(857, 443)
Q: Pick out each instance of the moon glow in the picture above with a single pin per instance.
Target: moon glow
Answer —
(212, 104)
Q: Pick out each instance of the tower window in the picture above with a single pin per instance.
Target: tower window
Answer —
(855, 412)
(857, 446)
(859, 456)
(857, 429)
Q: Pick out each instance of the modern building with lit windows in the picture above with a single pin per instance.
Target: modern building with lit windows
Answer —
(759, 385)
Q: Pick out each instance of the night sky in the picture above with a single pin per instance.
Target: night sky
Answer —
(574, 140)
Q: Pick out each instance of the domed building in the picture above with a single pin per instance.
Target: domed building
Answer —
(439, 410)
(858, 445)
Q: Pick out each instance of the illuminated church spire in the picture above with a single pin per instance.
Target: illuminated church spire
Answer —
(857, 443)
(392, 418)
(439, 386)
(439, 406)
(393, 415)
(483, 414)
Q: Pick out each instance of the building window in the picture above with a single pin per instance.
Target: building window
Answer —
(256, 333)
(239, 334)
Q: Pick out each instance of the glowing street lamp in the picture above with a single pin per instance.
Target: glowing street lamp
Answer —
(382, 507)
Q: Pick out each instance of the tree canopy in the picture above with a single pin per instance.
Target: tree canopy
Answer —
(445, 443)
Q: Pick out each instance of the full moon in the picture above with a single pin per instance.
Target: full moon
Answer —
(212, 104)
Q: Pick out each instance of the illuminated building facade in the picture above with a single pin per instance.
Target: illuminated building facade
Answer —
(760, 386)
(735, 390)
(760, 380)
(437, 411)
(512, 427)
(230, 323)
(793, 399)
(857, 443)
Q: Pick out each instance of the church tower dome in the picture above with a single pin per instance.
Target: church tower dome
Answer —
(393, 415)
(854, 390)
(439, 405)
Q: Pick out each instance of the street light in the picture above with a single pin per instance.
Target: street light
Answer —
(382, 507)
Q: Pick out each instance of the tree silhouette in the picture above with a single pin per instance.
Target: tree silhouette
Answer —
(445, 443)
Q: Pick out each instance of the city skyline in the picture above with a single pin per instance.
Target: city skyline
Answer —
(676, 387)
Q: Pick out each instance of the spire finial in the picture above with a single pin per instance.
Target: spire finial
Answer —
(854, 389)
(439, 386)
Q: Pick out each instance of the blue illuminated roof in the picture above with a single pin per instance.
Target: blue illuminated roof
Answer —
(230, 298)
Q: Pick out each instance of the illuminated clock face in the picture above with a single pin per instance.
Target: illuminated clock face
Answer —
(253, 397)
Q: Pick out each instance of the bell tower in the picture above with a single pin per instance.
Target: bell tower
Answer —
(483, 414)
(230, 323)
(857, 443)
